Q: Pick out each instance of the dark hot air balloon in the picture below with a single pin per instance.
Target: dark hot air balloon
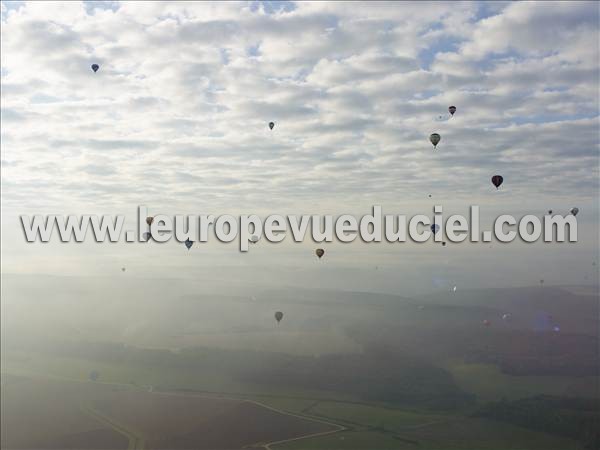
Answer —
(95, 67)
(278, 316)
(435, 139)
(188, 243)
(320, 252)
(149, 220)
(271, 125)
(497, 180)
(452, 110)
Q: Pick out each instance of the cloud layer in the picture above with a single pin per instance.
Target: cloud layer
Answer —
(178, 112)
(177, 119)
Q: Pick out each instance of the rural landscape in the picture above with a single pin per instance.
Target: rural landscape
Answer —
(381, 372)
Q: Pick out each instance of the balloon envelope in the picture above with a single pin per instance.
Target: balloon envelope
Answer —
(254, 238)
(574, 211)
(271, 125)
(435, 139)
(188, 243)
(149, 220)
(320, 252)
(95, 67)
(452, 109)
(497, 180)
(278, 316)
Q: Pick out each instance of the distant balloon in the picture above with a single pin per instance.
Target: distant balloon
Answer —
(497, 180)
(542, 282)
(452, 110)
(95, 67)
(149, 220)
(575, 211)
(254, 238)
(94, 375)
(435, 228)
(122, 269)
(549, 211)
(443, 244)
(271, 125)
(188, 243)
(278, 316)
(435, 139)
(487, 323)
(320, 252)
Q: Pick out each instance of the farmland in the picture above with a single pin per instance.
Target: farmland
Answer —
(380, 372)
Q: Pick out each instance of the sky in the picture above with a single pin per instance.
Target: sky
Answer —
(177, 119)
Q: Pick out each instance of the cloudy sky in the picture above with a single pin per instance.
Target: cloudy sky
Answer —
(176, 117)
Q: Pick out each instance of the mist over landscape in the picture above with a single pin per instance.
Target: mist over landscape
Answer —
(108, 106)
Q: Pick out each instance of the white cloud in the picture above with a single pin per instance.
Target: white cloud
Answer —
(178, 111)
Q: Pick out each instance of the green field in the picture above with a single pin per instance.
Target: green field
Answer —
(489, 384)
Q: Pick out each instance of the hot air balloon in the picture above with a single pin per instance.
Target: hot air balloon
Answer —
(444, 244)
(487, 323)
(149, 220)
(497, 180)
(452, 110)
(122, 269)
(278, 316)
(435, 228)
(574, 211)
(188, 243)
(254, 238)
(95, 67)
(320, 252)
(549, 211)
(454, 289)
(429, 195)
(271, 125)
(435, 139)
